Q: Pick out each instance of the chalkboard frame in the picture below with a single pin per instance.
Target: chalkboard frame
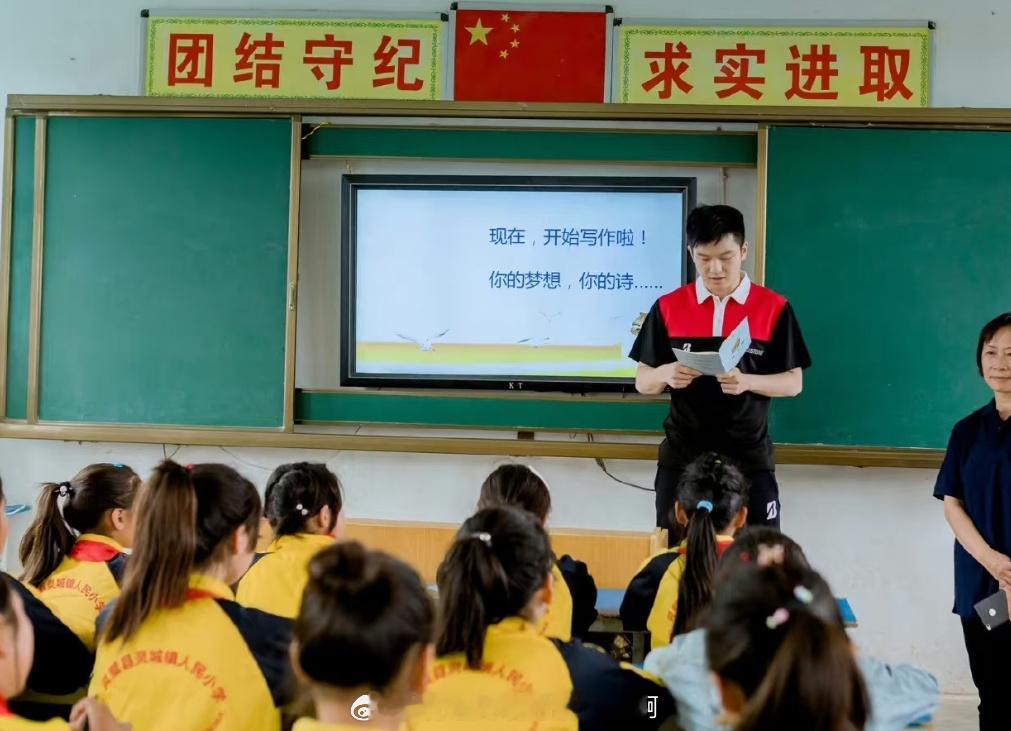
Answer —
(614, 115)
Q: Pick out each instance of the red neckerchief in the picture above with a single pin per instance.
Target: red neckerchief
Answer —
(4, 710)
(93, 551)
(192, 594)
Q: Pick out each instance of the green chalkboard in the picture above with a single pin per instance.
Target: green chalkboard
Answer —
(560, 414)
(19, 297)
(893, 246)
(688, 148)
(164, 271)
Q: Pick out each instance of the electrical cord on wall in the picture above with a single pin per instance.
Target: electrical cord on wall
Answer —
(603, 468)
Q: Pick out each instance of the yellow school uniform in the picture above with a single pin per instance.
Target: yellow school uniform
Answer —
(557, 620)
(62, 665)
(277, 579)
(528, 681)
(84, 583)
(311, 724)
(208, 664)
(651, 599)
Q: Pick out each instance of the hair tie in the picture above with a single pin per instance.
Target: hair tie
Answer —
(778, 618)
(803, 594)
(119, 466)
(485, 538)
(189, 468)
(770, 555)
(66, 489)
(301, 508)
(704, 505)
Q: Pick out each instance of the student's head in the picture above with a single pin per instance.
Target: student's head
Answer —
(98, 499)
(760, 546)
(712, 498)
(993, 354)
(715, 236)
(499, 566)
(304, 497)
(518, 486)
(782, 659)
(371, 612)
(200, 518)
(17, 641)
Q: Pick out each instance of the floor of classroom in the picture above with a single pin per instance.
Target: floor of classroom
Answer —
(957, 713)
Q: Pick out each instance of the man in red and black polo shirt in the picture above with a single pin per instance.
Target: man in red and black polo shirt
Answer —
(728, 414)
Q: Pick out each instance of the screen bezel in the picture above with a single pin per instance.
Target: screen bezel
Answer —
(352, 183)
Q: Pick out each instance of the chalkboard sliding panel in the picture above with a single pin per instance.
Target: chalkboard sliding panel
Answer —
(17, 250)
(886, 242)
(165, 271)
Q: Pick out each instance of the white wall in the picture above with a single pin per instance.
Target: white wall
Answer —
(877, 534)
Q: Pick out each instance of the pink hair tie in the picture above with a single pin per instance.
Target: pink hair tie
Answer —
(778, 618)
(770, 555)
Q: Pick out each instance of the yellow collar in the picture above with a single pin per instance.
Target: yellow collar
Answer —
(512, 626)
(210, 585)
(301, 542)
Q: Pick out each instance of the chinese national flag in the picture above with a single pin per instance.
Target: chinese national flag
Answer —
(511, 56)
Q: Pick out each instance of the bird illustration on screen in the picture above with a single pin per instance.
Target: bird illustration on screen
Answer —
(425, 345)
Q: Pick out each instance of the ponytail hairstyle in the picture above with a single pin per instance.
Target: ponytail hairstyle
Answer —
(185, 516)
(499, 560)
(711, 493)
(86, 501)
(297, 492)
(516, 485)
(776, 632)
(366, 609)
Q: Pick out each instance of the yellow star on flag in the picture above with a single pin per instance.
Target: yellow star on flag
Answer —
(479, 33)
(504, 54)
(515, 44)
(505, 17)
(515, 28)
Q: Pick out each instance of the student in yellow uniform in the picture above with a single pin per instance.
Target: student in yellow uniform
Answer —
(62, 663)
(18, 647)
(73, 552)
(573, 602)
(362, 640)
(671, 592)
(305, 510)
(494, 666)
(177, 651)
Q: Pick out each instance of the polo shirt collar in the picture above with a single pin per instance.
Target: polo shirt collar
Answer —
(993, 416)
(739, 295)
